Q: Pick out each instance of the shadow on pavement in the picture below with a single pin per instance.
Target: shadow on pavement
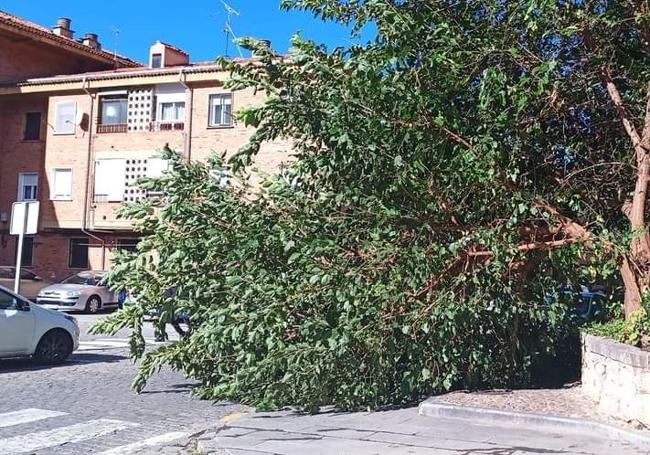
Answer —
(25, 364)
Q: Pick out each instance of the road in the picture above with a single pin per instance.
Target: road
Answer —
(86, 406)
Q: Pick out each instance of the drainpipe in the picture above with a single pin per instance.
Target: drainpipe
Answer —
(188, 114)
(84, 224)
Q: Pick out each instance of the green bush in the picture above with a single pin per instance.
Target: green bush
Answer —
(634, 331)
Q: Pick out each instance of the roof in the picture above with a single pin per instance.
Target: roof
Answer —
(25, 27)
(131, 73)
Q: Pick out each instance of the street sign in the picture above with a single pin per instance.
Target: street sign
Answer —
(24, 221)
(24, 218)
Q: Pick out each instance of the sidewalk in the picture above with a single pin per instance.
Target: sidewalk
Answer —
(395, 432)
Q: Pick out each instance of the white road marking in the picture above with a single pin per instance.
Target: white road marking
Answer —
(151, 442)
(9, 419)
(101, 345)
(111, 343)
(64, 435)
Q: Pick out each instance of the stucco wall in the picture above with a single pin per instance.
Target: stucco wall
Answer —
(617, 376)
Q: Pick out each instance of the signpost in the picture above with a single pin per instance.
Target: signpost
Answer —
(24, 221)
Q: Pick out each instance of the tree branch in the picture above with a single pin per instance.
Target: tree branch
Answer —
(628, 124)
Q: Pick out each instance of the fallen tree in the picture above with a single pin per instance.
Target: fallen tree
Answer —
(448, 176)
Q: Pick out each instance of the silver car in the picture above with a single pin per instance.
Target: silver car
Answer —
(85, 291)
(30, 283)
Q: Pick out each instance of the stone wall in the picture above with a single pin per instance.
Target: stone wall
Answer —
(617, 376)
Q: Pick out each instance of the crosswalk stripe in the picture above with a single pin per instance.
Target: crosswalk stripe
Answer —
(9, 419)
(151, 442)
(102, 344)
(64, 435)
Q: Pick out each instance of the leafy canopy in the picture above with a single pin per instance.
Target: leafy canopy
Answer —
(443, 179)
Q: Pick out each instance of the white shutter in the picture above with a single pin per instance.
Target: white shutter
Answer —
(64, 117)
(27, 186)
(110, 180)
(156, 167)
(62, 184)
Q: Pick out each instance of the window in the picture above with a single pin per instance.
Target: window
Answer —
(128, 244)
(221, 110)
(78, 253)
(172, 112)
(110, 180)
(7, 273)
(27, 256)
(61, 185)
(27, 186)
(32, 126)
(156, 60)
(7, 301)
(88, 279)
(114, 109)
(64, 117)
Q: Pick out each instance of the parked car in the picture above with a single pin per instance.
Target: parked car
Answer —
(84, 291)
(588, 301)
(30, 283)
(27, 329)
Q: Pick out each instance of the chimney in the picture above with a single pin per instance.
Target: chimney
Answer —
(62, 28)
(91, 40)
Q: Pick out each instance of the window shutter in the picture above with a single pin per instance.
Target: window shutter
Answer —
(62, 185)
(27, 186)
(64, 122)
(156, 167)
(110, 180)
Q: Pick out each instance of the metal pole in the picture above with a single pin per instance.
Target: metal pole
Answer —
(19, 250)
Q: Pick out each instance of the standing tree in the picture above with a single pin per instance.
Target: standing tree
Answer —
(447, 177)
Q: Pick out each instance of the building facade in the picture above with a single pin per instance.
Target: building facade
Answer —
(79, 138)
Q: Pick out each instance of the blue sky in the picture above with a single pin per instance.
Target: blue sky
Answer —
(193, 25)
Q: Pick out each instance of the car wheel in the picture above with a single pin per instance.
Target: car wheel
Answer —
(54, 347)
(93, 304)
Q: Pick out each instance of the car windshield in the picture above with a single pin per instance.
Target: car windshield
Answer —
(87, 279)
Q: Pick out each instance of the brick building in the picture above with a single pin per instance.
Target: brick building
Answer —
(79, 126)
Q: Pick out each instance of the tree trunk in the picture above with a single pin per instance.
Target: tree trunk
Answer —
(635, 266)
(632, 287)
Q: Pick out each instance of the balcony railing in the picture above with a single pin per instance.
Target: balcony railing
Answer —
(166, 126)
(112, 128)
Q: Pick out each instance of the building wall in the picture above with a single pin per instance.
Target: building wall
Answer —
(52, 253)
(62, 220)
(66, 150)
(17, 155)
(72, 151)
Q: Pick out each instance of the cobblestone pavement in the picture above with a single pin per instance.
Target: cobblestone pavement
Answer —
(397, 432)
(86, 406)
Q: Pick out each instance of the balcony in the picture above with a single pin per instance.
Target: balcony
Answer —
(112, 128)
(166, 126)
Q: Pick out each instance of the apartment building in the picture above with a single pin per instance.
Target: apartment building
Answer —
(78, 139)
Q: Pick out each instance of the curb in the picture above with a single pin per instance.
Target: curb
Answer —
(434, 408)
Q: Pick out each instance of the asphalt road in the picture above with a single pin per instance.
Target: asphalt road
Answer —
(86, 406)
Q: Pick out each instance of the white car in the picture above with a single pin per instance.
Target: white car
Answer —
(85, 291)
(26, 329)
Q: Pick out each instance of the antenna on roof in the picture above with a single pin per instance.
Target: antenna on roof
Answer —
(116, 40)
(228, 27)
